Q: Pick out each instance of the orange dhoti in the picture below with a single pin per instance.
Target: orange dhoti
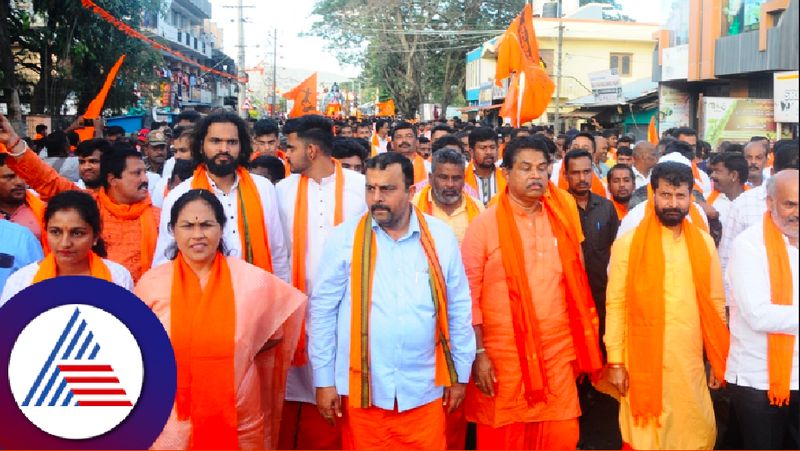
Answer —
(456, 427)
(303, 427)
(559, 434)
(419, 428)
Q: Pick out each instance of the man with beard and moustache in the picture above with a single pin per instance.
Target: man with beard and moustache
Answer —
(482, 174)
(424, 147)
(762, 371)
(755, 152)
(221, 149)
(318, 196)
(729, 174)
(600, 156)
(620, 186)
(395, 278)
(17, 204)
(404, 142)
(584, 141)
(89, 154)
(130, 221)
(535, 323)
(664, 313)
(363, 131)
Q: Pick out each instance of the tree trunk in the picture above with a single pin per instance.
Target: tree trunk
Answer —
(7, 65)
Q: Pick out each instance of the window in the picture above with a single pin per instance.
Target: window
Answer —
(549, 60)
(622, 63)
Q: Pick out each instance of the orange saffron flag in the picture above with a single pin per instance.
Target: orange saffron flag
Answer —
(96, 105)
(652, 133)
(304, 96)
(386, 108)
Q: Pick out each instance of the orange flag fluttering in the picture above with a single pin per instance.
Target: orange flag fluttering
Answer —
(652, 133)
(386, 108)
(304, 96)
(530, 88)
(96, 105)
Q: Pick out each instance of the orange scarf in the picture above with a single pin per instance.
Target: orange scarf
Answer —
(426, 205)
(202, 328)
(38, 207)
(622, 209)
(715, 194)
(362, 271)
(252, 231)
(565, 223)
(48, 268)
(780, 347)
(597, 185)
(645, 312)
(142, 211)
(300, 241)
(420, 173)
(471, 179)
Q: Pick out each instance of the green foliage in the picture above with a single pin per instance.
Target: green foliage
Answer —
(74, 50)
(414, 51)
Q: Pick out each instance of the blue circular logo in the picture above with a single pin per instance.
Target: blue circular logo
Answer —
(89, 367)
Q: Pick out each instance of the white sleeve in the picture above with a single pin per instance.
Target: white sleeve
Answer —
(165, 238)
(18, 281)
(277, 240)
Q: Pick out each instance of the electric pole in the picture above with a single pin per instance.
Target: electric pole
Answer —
(242, 73)
(274, 70)
(557, 119)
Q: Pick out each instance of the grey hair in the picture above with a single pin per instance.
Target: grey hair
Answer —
(447, 156)
(759, 143)
(772, 187)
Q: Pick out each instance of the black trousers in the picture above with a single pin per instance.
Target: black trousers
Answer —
(764, 426)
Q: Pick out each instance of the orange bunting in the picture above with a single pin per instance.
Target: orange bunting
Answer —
(304, 96)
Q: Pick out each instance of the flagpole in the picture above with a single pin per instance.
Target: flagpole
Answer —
(557, 119)
(520, 92)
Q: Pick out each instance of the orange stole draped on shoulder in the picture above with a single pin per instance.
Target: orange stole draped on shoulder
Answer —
(202, 330)
(362, 273)
(565, 223)
(715, 194)
(48, 268)
(426, 205)
(622, 209)
(300, 241)
(471, 179)
(252, 231)
(38, 206)
(142, 211)
(645, 316)
(420, 173)
(780, 347)
(597, 185)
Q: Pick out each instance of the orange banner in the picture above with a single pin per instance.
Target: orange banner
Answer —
(386, 108)
(652, 133)
(304, 96)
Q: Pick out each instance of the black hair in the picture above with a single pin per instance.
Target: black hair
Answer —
(441, 128)
(222, 117)
(87, 209)
(624, 139)
(404, 126)
(273, 165)
(114, 130)
(676, 174)
(786, 155)
(190, 196)
(733, 147)
(314, 129)
(609, 133)
(516, 145)
(680, 147)
(380, 123)
(183, 169)
(423, 140)
(265, 127)
(348, 147)
(446, 140)
(586, 135)
(73, 138)
(759, 138)
(573, 154)
(383, 160)
(515, 131)
(56, 144)
(114, 161)
(481, 134)
(733, 162)
(624, 151)
(548, 143)
(87, 148)
(678, 131)
(364, 124)
(620, 167)
(41, 128)
(189, 115)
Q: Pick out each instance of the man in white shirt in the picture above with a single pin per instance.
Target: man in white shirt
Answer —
(755, 152)
(689, 136)
(764, 322)
(645, 156)
(309, 146)
(222, 148)
(729, 174)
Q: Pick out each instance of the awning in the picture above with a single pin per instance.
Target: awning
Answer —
(492, 107)
(580, 114)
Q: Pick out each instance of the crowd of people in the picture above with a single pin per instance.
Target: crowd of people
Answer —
(387, 284)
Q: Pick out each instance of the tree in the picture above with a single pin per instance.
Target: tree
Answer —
(414, 50)
(71, 53)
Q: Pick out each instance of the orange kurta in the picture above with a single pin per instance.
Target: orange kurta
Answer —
(264, 306)
(123, 237)
(491, 309)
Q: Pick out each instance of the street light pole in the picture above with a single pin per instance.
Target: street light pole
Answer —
(557, 119)
(274, 69)
(242, 73)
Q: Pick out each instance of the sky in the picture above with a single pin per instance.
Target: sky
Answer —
(292, 17)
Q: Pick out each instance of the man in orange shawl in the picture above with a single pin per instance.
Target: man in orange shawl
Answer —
(317, 197)
(583, 141)
(389, 321)
(380, 139)
(130, 221)
(621, 183)
(482, 174)
(404, 142)
(17, 204)
(664, 311)
(535, 322)
(763, 364)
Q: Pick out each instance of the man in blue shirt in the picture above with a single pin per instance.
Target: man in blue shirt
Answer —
(405, 350)
(18, 248)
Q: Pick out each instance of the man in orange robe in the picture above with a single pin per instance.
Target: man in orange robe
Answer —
(534, 317)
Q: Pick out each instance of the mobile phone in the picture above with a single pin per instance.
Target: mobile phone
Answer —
(88, 122)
